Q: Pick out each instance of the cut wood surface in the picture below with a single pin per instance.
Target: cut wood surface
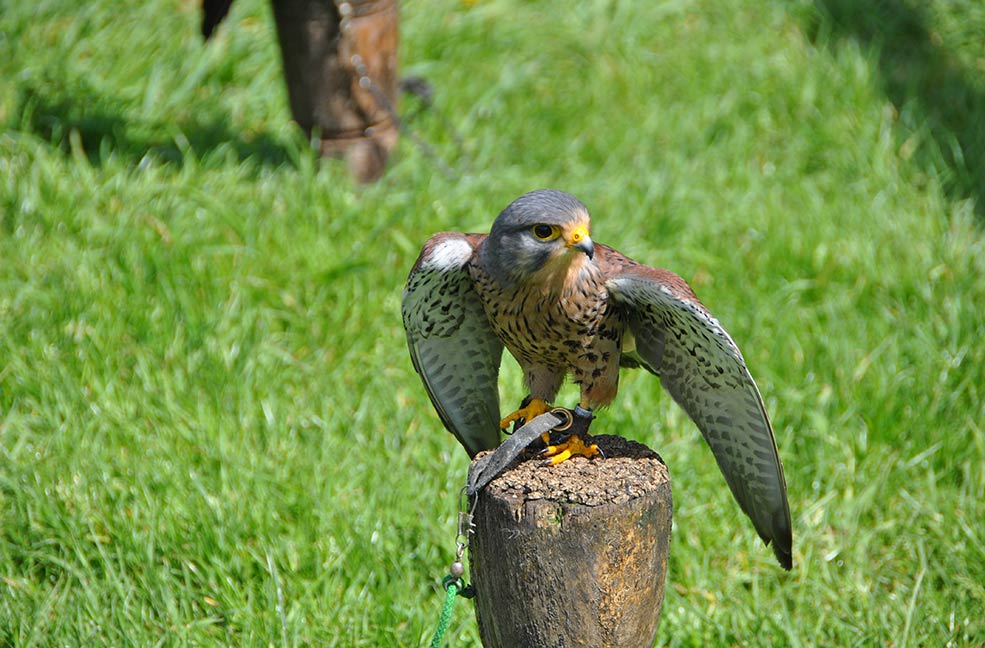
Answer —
(573, 554)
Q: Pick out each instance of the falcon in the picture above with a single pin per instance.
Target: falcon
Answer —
(564, 306)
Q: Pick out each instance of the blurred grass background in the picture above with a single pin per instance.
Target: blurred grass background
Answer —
(210, 430)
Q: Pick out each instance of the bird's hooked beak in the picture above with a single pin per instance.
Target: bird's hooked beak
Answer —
(579, 239)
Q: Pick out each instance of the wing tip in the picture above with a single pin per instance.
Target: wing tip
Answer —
(782, 540)
(473, 446)
(783, 555)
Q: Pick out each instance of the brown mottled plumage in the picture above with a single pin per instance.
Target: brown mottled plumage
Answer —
(559, 326)
(563, 305)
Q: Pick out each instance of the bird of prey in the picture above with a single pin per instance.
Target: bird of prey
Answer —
(564, 305)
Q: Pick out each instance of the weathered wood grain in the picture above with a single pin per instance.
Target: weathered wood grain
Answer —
(574, 554)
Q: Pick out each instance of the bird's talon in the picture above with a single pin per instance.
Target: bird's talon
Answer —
(574, 445)
(556, 459)
(532, 410)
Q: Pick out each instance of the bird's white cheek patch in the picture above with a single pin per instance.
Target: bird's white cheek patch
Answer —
(450, 254)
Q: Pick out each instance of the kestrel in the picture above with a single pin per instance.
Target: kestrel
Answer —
(564, 305)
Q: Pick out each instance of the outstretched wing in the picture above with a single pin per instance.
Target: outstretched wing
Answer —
(702, 368)
(453, 348)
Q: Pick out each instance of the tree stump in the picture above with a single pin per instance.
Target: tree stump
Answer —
(573, 554)
(327, 92)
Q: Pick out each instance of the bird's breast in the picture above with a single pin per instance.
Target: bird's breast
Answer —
(567, 322)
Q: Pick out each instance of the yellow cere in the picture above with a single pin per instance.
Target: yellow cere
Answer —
(579, 233)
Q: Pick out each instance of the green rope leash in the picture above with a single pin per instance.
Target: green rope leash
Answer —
(451, 593)
(454, 587)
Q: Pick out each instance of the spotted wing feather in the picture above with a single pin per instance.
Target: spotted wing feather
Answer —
(452, 346)
(702, 368)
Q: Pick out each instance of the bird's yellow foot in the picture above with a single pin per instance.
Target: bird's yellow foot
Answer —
(534, 408)
(572, 446)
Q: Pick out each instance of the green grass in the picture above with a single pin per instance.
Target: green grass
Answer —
(210, 430)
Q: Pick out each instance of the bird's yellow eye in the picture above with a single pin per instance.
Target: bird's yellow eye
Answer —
(546, 232)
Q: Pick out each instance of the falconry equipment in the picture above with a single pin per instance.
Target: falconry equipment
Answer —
(564, 305)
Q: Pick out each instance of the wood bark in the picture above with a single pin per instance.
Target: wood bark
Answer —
(573, 554)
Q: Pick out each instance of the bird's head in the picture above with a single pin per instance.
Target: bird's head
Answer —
(539, 231)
